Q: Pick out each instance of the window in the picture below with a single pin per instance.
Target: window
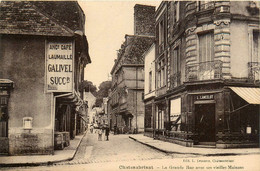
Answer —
(175, 114)
(148, 116)
(160, 27)
(161, 32)
(256, 47)
(150, 81)
(176, 60)
(161, 79)
(175, 67)
(176, 16)
(3, 101)
(3, 121)
(160, 118)
(206, 47)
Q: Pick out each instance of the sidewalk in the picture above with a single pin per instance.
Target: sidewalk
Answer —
(66, 154)
(175, 148)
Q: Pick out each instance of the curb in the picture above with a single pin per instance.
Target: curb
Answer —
(198, 154)
(45, 163)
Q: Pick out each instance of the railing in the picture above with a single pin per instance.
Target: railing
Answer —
(206, 5)
(254, 70)
(175, 80)
(204, 71)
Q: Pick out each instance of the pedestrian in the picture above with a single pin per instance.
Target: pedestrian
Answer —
(100, 135)
(115, 129)
(107, 132)
(91, 129)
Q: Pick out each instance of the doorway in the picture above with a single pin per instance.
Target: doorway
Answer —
(205, 123)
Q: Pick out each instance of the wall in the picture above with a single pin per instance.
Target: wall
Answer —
(26, 68)
(138, 108)
(239, 49)
(240, 7)
(130, 76)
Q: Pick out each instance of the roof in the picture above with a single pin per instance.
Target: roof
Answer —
(132, 50)
(45, 18)
(249, 94)
(59, 18)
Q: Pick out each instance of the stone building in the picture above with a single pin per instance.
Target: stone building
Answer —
(125, 99)
(43, 53)
(207, 74)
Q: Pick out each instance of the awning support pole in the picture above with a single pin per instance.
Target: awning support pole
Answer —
(240, 108)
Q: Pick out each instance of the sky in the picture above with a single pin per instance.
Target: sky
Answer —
(107, 23)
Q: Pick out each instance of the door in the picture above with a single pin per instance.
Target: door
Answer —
(205, 123)
(4, 141)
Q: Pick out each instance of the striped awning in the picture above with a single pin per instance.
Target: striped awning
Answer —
(250, 95)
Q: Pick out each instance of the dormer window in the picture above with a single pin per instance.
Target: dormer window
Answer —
(253, 8)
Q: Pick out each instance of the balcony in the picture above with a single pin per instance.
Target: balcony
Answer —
(175, 80)
(254, 70)
(204, 71)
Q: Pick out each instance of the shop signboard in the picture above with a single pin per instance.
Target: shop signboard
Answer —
(59, 66)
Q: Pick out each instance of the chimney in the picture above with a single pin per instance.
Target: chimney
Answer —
(144, 20)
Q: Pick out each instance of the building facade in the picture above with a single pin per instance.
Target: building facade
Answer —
(207, 73)
(125, 99)
(149, 90)
(43, 54)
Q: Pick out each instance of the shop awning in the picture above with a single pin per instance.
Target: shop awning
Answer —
(249, 94)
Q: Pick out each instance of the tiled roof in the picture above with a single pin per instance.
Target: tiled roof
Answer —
(23, 17)
(67, 13)
(132, 50)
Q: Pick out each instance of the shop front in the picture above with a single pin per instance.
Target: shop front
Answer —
(224, 118)
(241, 128)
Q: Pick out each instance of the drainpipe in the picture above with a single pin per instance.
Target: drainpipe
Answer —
(136, 84)
(53, 109)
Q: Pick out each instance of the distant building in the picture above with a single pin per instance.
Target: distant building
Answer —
(43, 55)
(125, 99)
(90, 99)
(206, 74)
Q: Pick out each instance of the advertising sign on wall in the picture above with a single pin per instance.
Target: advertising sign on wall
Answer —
(59, 66)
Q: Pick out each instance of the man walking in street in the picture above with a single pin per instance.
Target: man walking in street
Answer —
(107, 132)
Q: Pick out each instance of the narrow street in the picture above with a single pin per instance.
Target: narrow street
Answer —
(118, 148)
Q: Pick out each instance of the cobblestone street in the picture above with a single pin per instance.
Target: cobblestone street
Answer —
(118, 148)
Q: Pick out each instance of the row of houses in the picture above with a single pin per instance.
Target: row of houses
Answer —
(200, 75)
(43, 54)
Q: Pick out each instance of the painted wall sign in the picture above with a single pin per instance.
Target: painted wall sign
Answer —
(59, 66)
(205, 97)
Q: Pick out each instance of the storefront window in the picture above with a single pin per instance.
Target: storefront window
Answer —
(175, 114)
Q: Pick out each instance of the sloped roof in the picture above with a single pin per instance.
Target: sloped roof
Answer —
(32, 18)
(132, 50)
